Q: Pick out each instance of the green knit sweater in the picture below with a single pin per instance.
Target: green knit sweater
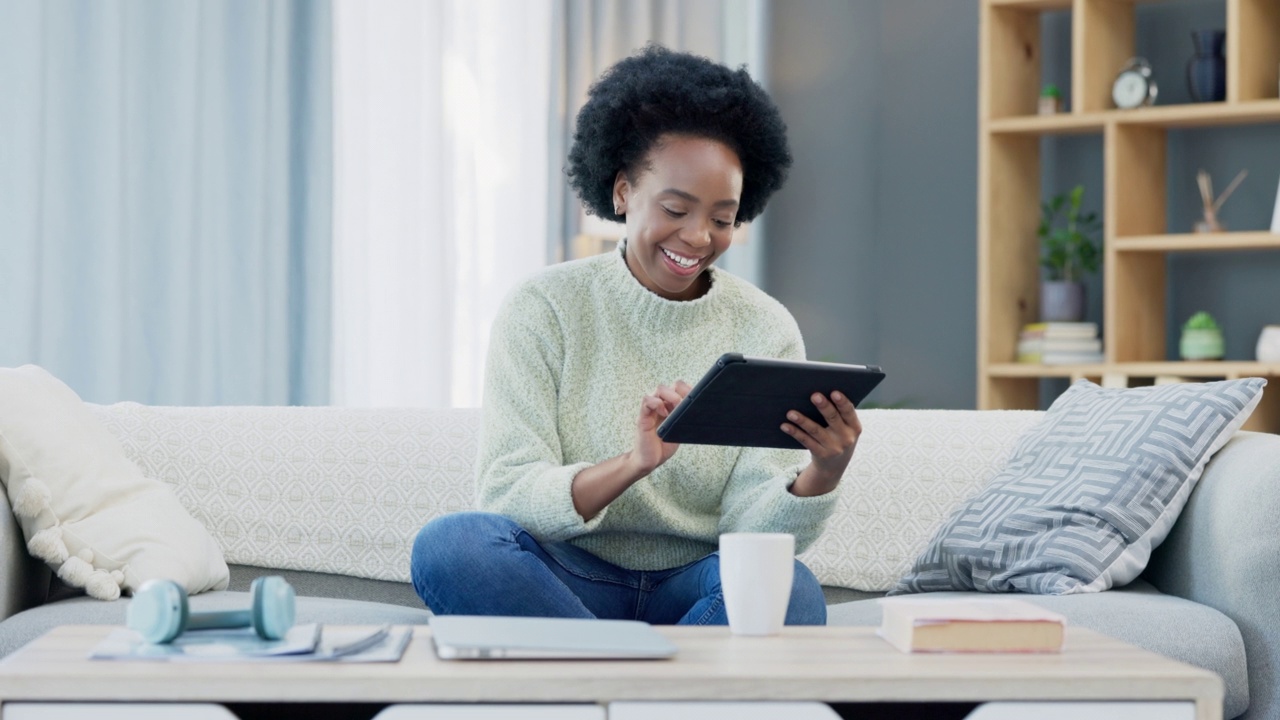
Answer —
(572, 353)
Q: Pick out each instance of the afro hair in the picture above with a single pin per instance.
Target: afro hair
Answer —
(656, 92)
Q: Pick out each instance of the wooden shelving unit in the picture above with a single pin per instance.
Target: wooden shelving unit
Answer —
(1134, 143)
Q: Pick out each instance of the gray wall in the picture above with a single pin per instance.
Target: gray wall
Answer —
(872, 243)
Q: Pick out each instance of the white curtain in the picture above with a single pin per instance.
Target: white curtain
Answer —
(441, 125)
(164, 198)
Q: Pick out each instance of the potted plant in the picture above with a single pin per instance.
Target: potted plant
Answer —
(1070, 249)
(1201, 338)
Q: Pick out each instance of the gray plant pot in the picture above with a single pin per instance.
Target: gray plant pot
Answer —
(1061, 301)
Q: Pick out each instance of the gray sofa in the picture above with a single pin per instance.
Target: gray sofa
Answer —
(1208, 596)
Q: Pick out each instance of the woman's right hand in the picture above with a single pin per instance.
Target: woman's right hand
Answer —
(650, 451)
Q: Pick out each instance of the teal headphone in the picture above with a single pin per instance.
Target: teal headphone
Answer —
(159, 611)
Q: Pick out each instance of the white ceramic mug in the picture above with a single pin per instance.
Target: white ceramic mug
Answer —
(1268, 350)
(756, 570)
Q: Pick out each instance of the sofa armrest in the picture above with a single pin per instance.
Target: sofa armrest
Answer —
(1224, 552)
(24, 581)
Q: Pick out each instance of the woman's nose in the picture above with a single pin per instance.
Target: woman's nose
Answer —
(696, 234)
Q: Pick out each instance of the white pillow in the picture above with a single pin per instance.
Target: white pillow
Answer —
(85, 508)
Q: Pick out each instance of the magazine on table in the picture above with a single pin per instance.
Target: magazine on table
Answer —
(303, 643)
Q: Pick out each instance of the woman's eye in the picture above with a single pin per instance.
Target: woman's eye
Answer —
(723, 223)
(673, 213)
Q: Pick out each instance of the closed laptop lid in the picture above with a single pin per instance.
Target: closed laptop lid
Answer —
(476, 637)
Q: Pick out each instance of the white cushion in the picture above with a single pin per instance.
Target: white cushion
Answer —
(911, 469)
(85, 509)
(345, 490)
(325, 489)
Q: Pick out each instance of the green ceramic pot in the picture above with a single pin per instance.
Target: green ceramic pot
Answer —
(1201, 344)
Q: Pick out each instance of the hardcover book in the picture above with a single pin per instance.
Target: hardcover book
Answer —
(970, 625)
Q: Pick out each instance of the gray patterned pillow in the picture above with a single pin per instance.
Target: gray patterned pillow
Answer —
(1088, 492)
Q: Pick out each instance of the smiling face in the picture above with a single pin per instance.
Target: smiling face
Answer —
(680, 213)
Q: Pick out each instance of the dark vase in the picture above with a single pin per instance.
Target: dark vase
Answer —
(1207, 71)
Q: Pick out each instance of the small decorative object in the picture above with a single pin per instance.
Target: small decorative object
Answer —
(1201, 338)
(1050, 100)
(1207, 69)
(1135, 85)
(1210, 223)
(1269, 344)
(1069, 240)
(1275, 214)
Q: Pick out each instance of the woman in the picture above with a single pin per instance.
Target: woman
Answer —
(587, 512)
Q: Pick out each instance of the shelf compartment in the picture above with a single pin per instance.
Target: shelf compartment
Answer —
(1198, 242)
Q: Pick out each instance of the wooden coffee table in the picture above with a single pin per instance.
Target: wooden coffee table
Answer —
(828, 664)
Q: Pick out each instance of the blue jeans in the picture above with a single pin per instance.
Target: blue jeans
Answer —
(475, 563)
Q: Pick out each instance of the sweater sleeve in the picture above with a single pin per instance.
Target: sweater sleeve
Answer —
(757, 496)
(520, 466)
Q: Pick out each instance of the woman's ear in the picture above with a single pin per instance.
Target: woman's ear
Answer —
(621, 190)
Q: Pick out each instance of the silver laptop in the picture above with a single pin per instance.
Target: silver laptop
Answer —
(477, 637)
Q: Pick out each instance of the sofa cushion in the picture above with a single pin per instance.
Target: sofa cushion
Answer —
(323, 489)
(1088, 492)
(85, 508)
(30, 624)
(1137, 614)
(911, 470)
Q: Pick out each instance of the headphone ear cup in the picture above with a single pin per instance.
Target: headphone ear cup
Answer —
(273, 606)
(158, 610)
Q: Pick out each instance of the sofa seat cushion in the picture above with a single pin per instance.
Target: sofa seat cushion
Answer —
(1137, 614)
(30, 624)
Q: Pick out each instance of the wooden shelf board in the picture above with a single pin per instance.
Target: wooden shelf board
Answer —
(1033, 370)
(1199, 114)
(1207, 369)
(1033, 4)
(1060, 124)
(1198, 242)
(1172, 116)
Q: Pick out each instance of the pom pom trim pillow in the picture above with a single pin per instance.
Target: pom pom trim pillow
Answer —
(1088, 492)
(84, 507)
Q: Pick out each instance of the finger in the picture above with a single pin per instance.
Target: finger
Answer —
(683, 388)
(653, 405)
(669, 396)
(805, 424)
(802, 437)
(827, 409)
(848, 412)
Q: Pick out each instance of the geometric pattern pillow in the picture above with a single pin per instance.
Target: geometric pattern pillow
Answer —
(1088, 492)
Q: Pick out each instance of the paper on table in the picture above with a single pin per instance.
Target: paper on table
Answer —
(209, 645)
(304, 643)
(356, 644)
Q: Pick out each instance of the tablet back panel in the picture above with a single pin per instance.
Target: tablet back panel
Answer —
(743, 401)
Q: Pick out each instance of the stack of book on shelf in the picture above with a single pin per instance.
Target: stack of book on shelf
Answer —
(1060, 343)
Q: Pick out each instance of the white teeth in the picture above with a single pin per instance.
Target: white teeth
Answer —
(681, 261)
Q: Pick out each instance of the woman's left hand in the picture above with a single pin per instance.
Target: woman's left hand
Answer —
(831, 447)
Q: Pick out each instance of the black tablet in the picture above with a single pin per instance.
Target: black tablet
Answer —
(743, 401)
